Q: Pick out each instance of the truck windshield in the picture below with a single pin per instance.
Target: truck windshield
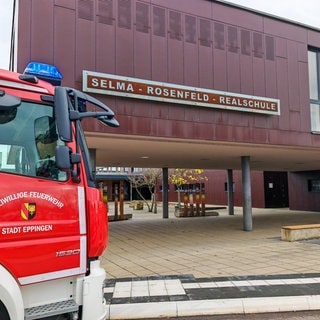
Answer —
(28, 138)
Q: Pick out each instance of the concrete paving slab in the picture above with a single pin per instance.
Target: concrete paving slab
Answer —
(213, 266)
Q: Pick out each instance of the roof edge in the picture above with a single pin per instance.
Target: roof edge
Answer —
(273, 16)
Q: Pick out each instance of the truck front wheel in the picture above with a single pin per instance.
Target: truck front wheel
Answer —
(3, 312)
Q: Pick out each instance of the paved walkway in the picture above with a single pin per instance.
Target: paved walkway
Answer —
(208, 265)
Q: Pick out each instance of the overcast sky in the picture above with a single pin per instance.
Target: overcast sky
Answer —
(5, 32)
(303, 11)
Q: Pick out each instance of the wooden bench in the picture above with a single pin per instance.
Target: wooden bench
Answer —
(300, 232)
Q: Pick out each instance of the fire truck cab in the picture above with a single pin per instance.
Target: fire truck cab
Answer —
(53, 222)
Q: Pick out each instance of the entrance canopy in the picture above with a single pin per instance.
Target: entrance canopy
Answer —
(156, 152)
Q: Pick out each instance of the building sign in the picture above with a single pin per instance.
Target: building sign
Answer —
(110, 84)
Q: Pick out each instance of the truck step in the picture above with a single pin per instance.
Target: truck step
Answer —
(51, 309)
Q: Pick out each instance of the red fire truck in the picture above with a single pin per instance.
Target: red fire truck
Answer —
(53, 222)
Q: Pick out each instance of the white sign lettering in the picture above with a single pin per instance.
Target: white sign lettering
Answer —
(167, 92)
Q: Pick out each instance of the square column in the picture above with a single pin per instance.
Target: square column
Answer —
(246, 193)
(165, 186)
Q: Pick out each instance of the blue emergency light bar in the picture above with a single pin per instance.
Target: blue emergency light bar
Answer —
(45, 72)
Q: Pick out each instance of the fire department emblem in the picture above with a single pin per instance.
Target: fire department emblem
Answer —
(28, 210)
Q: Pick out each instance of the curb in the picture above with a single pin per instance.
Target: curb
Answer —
(213, 307)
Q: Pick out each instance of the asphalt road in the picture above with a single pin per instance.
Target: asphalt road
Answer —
(304, 315)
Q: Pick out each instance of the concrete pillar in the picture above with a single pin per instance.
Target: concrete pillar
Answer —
(165, 187)
(230, 192)
(246, 193)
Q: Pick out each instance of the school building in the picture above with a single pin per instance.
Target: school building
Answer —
(194, 84)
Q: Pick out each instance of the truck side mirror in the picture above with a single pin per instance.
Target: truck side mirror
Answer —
(61, 101)
(8, 102)
(63, 158)
(110, 122)
(8, 107)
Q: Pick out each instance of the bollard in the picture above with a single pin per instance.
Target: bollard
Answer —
(203, 204)
(116, 200)
(100, 184)
(121, 201)
(191, 213)
(105, 197)
(197, 204)
(185, 204)
(101, 188)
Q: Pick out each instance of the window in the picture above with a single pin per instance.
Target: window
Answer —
(105, 12)
(269, 48)
(124, 14)
(314, 185)
(190, 29)
(190, 188)
(257, 45)
(175, 25)
(219, 36)
(142, 17)
(314, 89)
(245, 42)
(85, 9)
(28, 139)
(159, 22)
(232, 39)
(205, 33)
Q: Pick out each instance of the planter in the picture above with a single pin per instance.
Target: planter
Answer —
(137, 205)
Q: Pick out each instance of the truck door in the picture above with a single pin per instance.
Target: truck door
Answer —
(42, 223)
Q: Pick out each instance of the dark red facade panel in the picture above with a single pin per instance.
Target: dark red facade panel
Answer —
(280, 47)
(284, 30)
(304, 198)
(64, 24)
(69, 4)
(271, 79)
(156, 41)
(41, 31)
(196, 43)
